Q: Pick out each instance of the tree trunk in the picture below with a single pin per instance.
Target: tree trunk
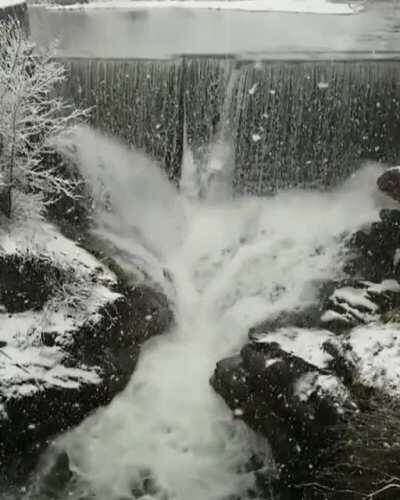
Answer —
(6, 201)
(5, 191)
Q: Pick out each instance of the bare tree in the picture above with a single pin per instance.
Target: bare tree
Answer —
(31, 113)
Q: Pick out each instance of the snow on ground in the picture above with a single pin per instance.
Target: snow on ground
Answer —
(46, 241)
(293, 6)
(26, 364)
(375, 351)
(301, 342)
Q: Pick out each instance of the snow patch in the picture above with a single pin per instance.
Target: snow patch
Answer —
(358, 303)
(322, 384)
(25, 358)
(375, 351)
(270, 362)
(305, 344)
(356, 297)
(330, 315)
(385, 286)
(305, 386)
(45, 240)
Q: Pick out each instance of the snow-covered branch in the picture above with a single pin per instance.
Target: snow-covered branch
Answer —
(31, 114)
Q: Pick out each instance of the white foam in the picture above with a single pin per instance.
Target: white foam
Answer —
(233, 264)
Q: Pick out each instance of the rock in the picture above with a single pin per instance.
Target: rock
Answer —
(70, 337)
(375, 250)
(340, 305)
(390, 217)
(389, 183)
(28, 282)
(53, 478)
(356, 302)
(289, 400)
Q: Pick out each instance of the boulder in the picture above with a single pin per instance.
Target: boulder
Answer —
(389, 183)
(375, 250)
(294, 401)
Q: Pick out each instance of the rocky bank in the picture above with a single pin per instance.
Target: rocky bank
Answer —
(70, 334)
(323, 383)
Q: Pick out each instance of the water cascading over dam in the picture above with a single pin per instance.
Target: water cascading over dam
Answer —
(306, 124)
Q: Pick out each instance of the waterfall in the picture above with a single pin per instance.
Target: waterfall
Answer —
(232, 263)
(311, 124)
(299, 124)
(137, 101)
(208, 133)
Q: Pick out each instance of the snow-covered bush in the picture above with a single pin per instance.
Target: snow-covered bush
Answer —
(31, 113)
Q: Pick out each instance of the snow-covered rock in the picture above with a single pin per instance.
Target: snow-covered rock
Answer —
(69, 334)
(374, 351)
(360, 302)
(301, 388)
(286, 397)
(299, 379)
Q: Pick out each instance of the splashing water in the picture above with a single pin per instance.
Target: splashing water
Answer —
(233, 263)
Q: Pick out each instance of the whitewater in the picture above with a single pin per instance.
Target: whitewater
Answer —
(226, 264)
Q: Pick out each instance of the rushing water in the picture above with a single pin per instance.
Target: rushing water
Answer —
(301, 124)
(233, 262)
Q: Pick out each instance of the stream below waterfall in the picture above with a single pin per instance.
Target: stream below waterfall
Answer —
(230, 263)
